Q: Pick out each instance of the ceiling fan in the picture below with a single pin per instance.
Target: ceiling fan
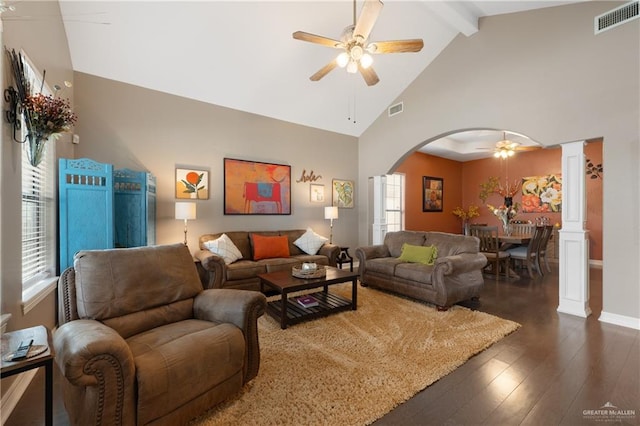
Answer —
(505, 148)
(357, 49)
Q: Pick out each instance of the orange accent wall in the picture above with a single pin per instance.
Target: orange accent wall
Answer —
(462, 187)
(415, 167)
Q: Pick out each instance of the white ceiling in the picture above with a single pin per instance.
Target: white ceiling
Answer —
(241, 55)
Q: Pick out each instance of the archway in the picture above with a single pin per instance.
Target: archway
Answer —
(581, 307)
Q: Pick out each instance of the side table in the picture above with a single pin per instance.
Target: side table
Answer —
(345, 257)
(41, 336)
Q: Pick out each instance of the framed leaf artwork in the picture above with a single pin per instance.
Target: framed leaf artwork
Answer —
(343, 193)
(192, 184)
(256, 188)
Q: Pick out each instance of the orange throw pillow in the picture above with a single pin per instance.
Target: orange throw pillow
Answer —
(269, 247)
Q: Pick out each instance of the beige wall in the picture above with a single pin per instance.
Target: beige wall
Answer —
(142, 129)
(45, 43)
(50, 53)
(543, 74)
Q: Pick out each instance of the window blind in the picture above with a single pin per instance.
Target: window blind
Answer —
(37, 209)
(38, 201)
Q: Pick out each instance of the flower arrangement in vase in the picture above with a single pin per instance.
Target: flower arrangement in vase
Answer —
(465, 215)
(494, 186)
(505, 214)
(45, 116)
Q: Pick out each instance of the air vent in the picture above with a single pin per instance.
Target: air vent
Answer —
(396, 109)
(618, 16)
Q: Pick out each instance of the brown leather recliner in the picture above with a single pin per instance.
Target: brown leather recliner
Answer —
(141, 342)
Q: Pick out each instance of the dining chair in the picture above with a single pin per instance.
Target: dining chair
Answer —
(542, 249)
(529, 254)
(522, 228)
(490, 248)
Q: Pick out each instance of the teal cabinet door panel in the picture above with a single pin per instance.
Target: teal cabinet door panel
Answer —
(85, 198)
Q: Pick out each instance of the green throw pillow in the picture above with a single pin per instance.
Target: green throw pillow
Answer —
(419, 254)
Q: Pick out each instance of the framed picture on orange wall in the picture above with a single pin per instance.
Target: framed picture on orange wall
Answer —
(432, 194)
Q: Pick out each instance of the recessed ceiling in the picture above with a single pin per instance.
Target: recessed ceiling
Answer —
(473, 144)
(241, 54)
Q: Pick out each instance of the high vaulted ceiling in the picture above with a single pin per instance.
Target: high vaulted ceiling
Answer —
(241, 54)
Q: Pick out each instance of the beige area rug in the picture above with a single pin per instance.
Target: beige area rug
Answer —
(353, 367)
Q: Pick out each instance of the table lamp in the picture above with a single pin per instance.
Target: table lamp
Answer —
(331, 213)
(185, 211)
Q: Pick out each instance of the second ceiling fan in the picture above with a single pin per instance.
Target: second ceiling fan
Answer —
(357, 49)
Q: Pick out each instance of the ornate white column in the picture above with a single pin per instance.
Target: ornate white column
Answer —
(379, 209)
(574, 238)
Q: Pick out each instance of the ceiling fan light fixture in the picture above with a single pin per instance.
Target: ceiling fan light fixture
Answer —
(366, 61)
(356, 52)
(352, 67)
(342, 59)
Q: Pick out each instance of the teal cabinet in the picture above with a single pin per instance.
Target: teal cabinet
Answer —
(135, 208)
(85, 215)
(100, 208)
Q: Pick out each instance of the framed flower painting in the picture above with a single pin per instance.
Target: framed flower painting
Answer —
(316, 193)
(542, 194)
(432, 194)
(192, 184)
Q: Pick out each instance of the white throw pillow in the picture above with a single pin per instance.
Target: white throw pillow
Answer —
(310, 242)
(224, 247)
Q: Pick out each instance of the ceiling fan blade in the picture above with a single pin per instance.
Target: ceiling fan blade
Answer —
(312, 38)
(367, 18)
(324, 71)
(369, 75)
(397, 46)
(528, 148)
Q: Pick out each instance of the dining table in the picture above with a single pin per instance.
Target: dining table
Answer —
(508, 241)
(514, 239)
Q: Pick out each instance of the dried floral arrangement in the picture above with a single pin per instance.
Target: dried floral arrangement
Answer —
(45, 116)
(463, 214)
(494, 186)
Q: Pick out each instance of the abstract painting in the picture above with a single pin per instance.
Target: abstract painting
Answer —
(256, 188)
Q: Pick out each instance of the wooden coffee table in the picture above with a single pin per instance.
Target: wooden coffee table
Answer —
(288, 312)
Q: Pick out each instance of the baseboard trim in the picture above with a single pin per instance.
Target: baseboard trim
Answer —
(12, 396)
(621, 320)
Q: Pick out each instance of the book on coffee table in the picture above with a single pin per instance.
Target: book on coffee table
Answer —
(307, 301)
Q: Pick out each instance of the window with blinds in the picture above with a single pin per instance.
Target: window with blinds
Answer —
(38, 204)
(395, 202)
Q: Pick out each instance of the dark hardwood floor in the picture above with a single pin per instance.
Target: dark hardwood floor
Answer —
(555, 370)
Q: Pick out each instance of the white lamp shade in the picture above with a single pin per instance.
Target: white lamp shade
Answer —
(331, 212)
(186, 211)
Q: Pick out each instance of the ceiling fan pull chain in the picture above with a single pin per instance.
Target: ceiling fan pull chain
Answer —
(354, 100)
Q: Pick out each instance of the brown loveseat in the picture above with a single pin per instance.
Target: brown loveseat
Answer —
(141, 342)
(243, 273)
(456, 274)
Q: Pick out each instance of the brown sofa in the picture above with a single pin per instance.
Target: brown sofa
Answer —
(243, 273)
(456, 274)
(141, 342)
